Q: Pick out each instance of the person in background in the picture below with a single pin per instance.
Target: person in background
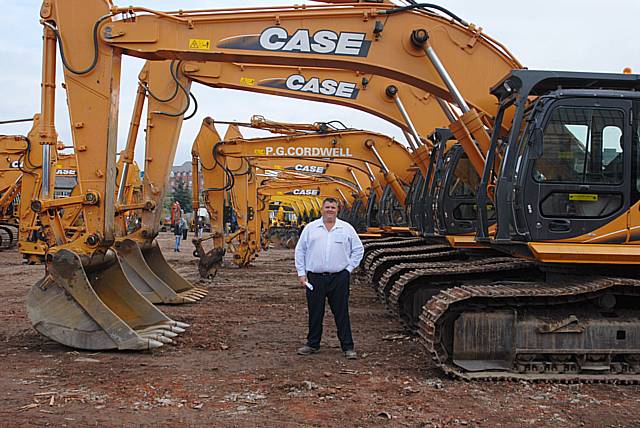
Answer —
(326, 253)
(178, 230)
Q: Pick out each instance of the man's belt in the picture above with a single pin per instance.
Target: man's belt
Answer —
(325, 273)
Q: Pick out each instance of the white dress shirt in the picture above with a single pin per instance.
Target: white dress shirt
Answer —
(322, 251)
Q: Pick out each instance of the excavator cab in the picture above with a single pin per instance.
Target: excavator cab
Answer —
(455, 194)
(391, 212)
(372, 211)
(413, 194)
(572, 168)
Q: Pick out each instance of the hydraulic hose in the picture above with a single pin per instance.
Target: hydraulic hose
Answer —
(95, 46)
(425, 6)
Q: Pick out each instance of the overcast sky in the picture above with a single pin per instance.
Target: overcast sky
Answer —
(581, 35)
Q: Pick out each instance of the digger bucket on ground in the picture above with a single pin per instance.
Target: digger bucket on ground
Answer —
(140, 275)
(274, 237)
(209, 261)
(158, 264)
(96, 309)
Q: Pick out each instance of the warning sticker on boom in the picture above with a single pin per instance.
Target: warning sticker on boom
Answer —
(200, 44)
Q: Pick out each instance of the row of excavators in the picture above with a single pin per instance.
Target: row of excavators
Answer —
(504, 233)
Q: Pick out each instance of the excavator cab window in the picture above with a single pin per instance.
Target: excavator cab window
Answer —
(583, 146)
(580, 178)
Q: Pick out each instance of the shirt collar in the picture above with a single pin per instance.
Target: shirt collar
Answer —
(337, 225)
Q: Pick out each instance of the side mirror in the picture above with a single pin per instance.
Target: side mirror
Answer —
(536, 143)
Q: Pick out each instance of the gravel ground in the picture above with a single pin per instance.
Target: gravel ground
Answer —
(236, 366)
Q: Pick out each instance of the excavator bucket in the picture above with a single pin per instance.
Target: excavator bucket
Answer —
(144, 279)
(158, 264)
(96, 309)
(208, 260)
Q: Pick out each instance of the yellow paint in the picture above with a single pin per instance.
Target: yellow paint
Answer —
(565, 155)
(259, 152)
(557, 252)
(200, 44)
(583, 197)
(247, 81)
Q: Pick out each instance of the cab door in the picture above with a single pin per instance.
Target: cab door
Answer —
(634, 213)
(577, 180)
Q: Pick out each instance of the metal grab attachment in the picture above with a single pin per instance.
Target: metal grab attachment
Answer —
(96, 309)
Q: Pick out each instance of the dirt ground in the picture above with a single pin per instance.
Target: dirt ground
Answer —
(236, 366)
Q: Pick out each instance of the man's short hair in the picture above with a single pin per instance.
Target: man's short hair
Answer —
(330, 200)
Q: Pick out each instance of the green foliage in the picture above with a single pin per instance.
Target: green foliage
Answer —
(182, 194)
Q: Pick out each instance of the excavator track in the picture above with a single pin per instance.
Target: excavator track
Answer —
(415, 288)
(390, 238)
(410, 263)
(395, 241)
(385, 258)
(374, 256)
(8, 236)
(405, 243)
(568, 311)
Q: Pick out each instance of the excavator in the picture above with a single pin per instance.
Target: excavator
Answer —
(90, 251)
(573, 357)
(244, 239)
(12, 149)
(355, 174)
(406, 44)
(347, 146)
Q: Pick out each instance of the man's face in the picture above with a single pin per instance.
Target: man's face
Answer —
(329, 211)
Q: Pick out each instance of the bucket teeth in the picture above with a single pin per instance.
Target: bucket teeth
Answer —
(181, 324)
(153, 344)
(193, 295)
(158, 338)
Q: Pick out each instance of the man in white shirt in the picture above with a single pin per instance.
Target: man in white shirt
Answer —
(327, 251)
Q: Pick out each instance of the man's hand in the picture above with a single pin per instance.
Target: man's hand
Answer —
(303, 280)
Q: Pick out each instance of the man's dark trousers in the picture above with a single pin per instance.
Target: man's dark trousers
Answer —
(335, 288)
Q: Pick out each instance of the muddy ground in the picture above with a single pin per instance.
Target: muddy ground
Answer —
(236, 366)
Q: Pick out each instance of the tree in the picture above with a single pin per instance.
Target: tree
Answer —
(182, 194)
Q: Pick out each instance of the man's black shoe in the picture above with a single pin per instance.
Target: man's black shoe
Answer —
(307, 350)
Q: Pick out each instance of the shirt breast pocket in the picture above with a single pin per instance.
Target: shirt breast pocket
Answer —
(339, 238)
